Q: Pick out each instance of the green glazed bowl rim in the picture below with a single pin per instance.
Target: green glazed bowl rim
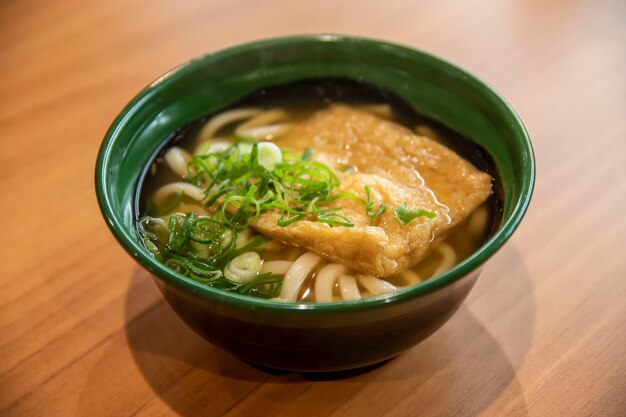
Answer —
(132, 246)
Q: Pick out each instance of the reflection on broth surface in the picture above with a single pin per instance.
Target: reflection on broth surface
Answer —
(324, 190)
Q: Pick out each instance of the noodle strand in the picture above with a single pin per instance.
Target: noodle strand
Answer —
(171, 189)
(261, 127)
(297, 274)
(410, 277)
(177, 159)
(478, 221)
(325, 282)
(348, 288)
(221, 120)
(375, 285)
(264, 132)
(196, 209)
(276, 267)
(449, 258)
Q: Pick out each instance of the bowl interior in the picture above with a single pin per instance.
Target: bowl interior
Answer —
(434, 88)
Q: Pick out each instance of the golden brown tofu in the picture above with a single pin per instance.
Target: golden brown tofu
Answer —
(399, 167)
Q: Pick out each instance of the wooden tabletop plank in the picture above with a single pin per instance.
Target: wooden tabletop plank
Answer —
(85, 332)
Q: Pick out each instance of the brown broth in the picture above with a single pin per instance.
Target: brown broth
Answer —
(301, 100)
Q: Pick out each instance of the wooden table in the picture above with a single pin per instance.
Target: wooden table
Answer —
(84, 331)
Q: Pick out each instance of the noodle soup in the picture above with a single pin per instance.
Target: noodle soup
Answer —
(319, 191)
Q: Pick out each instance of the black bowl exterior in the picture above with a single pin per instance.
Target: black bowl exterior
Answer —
(333, 341)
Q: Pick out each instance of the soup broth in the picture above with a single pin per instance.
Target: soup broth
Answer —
(236, 256)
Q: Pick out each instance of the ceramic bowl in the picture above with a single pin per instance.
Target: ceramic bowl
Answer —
(308, 336)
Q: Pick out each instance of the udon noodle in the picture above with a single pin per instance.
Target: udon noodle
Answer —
(291, 270)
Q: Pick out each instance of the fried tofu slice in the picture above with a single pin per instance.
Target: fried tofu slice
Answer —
(399, 167)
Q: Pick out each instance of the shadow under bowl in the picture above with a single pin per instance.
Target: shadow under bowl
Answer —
(314, 337)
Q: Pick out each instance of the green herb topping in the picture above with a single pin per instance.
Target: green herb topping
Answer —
(253, 178)
(369, 206)
(406, 215)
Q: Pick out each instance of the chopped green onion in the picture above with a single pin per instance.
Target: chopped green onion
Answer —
(369, 206)
(177, 266)
(243, 268)
(406, 215)
(269, 155)
(206, 230)
(264, 285)
(335, 219)
(284, 221)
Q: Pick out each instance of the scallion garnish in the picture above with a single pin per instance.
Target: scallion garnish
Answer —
(240, 181)
(406, 215)
(369, 206)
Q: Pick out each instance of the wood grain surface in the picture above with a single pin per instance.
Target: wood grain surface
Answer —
(84, 331)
